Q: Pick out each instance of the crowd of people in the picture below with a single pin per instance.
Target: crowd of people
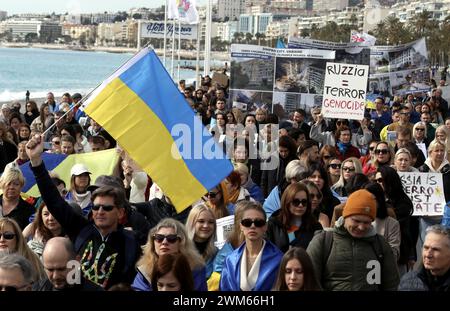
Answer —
(317, 203)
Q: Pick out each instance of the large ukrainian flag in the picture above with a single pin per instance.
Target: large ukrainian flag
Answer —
(139, 105)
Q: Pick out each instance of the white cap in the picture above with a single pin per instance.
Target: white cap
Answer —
(5, 106)
(79, 169)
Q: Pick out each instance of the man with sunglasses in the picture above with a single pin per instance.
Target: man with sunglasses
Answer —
(16, 273)
(100, 241)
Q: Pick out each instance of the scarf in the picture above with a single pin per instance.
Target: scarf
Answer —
(343, 147)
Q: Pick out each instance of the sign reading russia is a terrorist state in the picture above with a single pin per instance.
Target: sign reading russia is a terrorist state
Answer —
(344, 91)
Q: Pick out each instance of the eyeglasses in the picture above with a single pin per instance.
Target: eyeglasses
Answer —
(171, 238)
(372, 148)
(248, 222)
(379, 180)
(420, 129)
(106, 208)
(326, 157)
(341, 123)
(348, 169)
(212, 195)
(56, 142)
(297, 202)
(7, 235)
(381, 151)
(334, 166)
(315, 196)
(404, 113)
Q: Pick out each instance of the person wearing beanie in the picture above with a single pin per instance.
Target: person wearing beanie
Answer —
(352, 256)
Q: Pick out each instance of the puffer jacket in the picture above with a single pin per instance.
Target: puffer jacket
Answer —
(422, 280)
(347, 267)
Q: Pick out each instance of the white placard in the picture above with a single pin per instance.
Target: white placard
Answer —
(224, 227)
(344, 91)
(426, 192)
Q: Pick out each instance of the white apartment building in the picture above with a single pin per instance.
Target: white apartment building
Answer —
(230, 9)
(329, 5)
(277, 29)
(405, 11)
(117, 32)
(343, 17)
(254, 23)
(226, 30)
(289, 4)
(20, 28)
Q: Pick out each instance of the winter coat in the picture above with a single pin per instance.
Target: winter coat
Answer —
(346, 267)
(278, 235)
(422, 280)
(318, 134)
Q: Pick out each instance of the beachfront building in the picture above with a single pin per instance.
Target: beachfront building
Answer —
(118, 33)
(84, 33)
(46, 31)
(3, 15)
(225, 31)
(277, 30)
(406, 11)
(230, 9)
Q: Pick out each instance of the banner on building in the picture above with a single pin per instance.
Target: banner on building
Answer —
(280, 80)
(400, 69)
(344, 91)
(426, 192)
(155, 29)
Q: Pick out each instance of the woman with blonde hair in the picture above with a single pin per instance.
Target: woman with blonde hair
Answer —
(12, 241)
(403, 160)
(349, 167)
(420, 133)
(168, 237)
(11, 203)
(201, 228)
(383, 156)
(442, 134)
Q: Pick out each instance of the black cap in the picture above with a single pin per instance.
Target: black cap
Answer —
(77, 96)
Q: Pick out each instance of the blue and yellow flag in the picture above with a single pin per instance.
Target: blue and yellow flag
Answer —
(142, 108)
(98, 163)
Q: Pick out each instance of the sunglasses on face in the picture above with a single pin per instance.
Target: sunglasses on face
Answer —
(314, 196)
(379, 180)
(7, 235)
(326, 157)
(348, 169)
(297, 202)
(381, 151)
(212, 195)
(171, 238)
(420, 129)
(6, 288)
(372, 148)
(106, 208)
(248, 222)
(335, 166)
(56, 142)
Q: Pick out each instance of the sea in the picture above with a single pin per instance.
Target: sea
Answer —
(40, 71)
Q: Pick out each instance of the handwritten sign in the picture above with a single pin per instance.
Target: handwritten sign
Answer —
(344, 91)
(224, 228)
(426, 192)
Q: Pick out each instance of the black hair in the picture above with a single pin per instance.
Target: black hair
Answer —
(378, 192)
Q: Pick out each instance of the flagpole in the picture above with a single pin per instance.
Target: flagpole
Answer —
(208, 38)
(179, 49)
(197, 65)
(165, 33)
(173, 49)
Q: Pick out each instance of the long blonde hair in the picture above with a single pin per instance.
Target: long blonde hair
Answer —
(195, 212)
(23, 249)
(358, 169)
(186, 247)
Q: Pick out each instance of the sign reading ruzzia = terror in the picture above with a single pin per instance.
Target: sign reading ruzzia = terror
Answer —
(344, 91)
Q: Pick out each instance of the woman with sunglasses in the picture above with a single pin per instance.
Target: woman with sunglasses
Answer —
(296, 272)
(334, 170)
(253, 266)
(391, 183)
(403, 160)
(12, 241)
(420, 133)
(316, 199)
(370, 156)
(294, 224)
(168, 237)
(383, 157)
(349, 168)
(327, 153)
(31, 112)
(201, 228)
(217, 200)
(317, 174)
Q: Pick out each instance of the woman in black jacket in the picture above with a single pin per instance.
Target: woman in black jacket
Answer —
(294, 224)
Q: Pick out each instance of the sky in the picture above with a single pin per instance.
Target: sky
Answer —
(76, 6)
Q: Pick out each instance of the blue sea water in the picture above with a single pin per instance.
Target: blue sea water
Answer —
(41, 71)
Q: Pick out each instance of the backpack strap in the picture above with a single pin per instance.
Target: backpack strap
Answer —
(327, 246)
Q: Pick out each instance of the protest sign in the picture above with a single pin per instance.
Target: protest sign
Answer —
(224, 227)
(426, 192)
(344, 91)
